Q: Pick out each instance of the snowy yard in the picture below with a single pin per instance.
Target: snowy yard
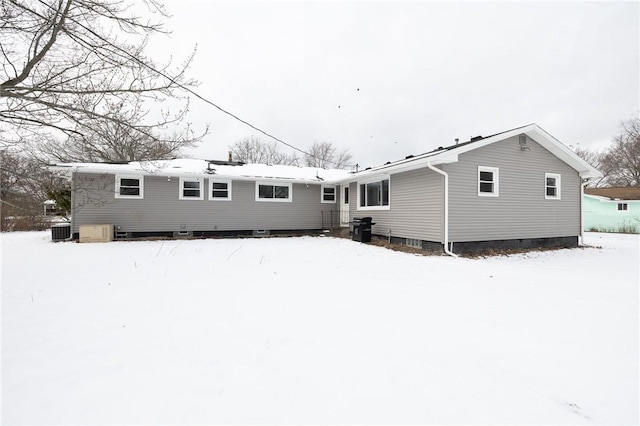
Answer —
(316, 330)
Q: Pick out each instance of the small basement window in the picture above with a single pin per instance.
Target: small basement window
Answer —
(488, 181)
(129, 186)
(328, 194)
(551, 186)
(414, 242)
(275, 192)
(623, 207)
(219, 189)
(191, 189)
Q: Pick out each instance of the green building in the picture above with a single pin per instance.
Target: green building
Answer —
(612, 209)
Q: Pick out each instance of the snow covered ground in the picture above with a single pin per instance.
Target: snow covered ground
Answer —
(316, 330)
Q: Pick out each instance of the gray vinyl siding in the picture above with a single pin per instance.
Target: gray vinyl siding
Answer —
(161, 210)
(416, 206)
(521, 210)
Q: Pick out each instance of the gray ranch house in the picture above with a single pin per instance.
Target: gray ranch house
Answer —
(519, 188)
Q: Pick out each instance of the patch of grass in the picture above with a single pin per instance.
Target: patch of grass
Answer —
(625, 228)
(20, 224)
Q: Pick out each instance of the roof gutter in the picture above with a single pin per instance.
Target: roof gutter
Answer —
(446, 208)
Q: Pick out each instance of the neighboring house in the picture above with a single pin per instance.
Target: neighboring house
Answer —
(51, 208)
(612, 209)
(519, 188)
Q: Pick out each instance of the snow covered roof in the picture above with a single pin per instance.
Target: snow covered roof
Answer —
(205, 168)
(240, 171)
(444, 155)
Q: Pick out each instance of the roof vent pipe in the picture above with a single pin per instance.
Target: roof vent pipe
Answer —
(457, 141)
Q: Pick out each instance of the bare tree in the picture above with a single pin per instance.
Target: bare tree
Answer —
(621, 162)
(254, 150)
(326, 156)
(69, 64)
(110, 141)
(595, 159)
(24, 186)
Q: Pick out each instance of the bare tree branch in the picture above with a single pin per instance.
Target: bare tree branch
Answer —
(65, 65)
(325, 155)
(254, 150)
(621, 162)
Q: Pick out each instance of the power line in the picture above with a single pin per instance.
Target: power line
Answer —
(197, 95)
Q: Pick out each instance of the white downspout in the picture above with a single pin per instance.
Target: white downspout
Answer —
(446, 209)
(582, 185)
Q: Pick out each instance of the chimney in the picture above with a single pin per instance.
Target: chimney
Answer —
(230, 157)
(457, 141)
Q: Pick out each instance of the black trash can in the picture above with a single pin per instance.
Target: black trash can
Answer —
(61, 232)
(362, 229)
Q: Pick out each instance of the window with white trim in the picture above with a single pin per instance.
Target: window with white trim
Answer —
(275, 192)
(551, 186)
(191, 188)
(373, 195)
(219, 190)
(623, 207)
(129, 186)
(328, 194)
(488, 181)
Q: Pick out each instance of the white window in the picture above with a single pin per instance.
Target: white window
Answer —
(551, 186)
(219, 189)
(623, 207)
(328, 194)
(129, 186)
(488, 181)
(276, 192)
(374, 195)
(191, 189)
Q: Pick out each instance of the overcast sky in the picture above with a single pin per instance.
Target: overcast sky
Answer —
(389, 79)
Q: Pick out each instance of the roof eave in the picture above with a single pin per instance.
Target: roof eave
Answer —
(69, 169)
(584, 169)
(407, 165)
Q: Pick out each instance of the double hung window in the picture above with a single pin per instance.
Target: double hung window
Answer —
(129, 186)
(488, 181)
(328, 194)
(219, 189)
(551, 186)
(191, 189)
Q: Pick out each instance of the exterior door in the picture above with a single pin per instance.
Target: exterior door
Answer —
(344, 205)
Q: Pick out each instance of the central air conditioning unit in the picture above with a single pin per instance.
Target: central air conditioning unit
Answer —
(96, 233)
